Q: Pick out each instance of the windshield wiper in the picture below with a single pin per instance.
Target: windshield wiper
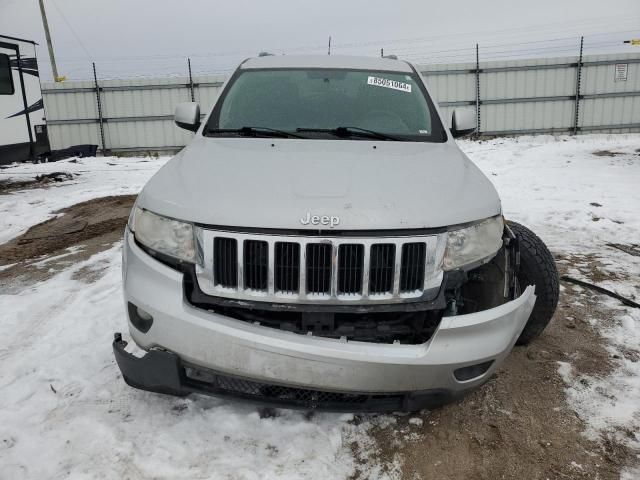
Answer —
(352, 132)
(255, 131)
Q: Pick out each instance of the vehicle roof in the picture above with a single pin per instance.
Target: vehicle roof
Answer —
(327, 61)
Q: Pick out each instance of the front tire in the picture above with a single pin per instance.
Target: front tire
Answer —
(537, 267)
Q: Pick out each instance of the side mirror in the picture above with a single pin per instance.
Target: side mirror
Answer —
(463, 122)
(187, 116)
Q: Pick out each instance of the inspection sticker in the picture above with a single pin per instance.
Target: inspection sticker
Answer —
(386, 83)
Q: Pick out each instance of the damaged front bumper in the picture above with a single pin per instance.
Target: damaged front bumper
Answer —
(162, 371)
(192, 350)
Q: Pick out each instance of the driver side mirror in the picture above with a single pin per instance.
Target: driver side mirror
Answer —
(187, 116)
(463, 122)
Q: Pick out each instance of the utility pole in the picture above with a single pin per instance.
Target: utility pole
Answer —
(47, 34)
(329, 50)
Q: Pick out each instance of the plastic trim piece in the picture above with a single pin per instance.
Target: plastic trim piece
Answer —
(161, 371)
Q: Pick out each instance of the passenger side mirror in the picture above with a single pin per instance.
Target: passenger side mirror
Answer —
(187, 116)
(463, 122)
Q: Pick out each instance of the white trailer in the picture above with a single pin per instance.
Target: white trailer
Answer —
(23, 131)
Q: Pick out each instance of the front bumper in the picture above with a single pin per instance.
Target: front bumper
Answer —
(184, 339)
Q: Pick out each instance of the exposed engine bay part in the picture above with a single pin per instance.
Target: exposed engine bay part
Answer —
(482, 288)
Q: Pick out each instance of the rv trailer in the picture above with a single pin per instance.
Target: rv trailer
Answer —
(23, 131)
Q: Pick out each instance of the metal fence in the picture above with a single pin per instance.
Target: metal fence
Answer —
(598, 93)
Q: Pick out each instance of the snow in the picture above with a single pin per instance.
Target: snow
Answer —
(63, 402)
(93, 178)
(550, 183)
(611, 405)
(416, 421)
(578, 202)
(65, 411)
(68, 251)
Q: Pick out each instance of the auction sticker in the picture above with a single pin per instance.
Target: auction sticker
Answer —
(387, 83)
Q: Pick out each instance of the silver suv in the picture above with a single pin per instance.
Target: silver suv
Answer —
(322, 242)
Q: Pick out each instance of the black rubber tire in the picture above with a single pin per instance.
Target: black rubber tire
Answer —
(537, 267)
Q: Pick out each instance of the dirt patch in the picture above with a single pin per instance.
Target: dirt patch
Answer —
(518, 425)
(75, 234)
(633, 249)
(73, 226)
(40, 181)
(9, 185)
(607, 153)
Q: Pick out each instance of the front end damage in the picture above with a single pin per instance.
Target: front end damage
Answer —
(404, 356)
(463, 291)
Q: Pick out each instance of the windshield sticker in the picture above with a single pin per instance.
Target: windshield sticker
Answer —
(386, 83)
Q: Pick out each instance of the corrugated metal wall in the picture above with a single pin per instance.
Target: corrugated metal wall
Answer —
(620, 108)
(539, 95)
(516, 96)
(137, 113)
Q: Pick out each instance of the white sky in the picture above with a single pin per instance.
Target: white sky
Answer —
(153, 37)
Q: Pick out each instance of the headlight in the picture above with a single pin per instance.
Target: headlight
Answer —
(472, 244)
(163, 235)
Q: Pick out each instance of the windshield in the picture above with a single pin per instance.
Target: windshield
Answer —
(316, 102)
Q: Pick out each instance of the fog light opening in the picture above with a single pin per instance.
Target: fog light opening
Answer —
(140, 318)
(472, 371)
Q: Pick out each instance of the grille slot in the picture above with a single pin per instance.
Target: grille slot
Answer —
(381, 268)
(350, 268)
(333, 270)
(256, 264)
(225, 268)
(287, 267)
(319, 267)
(412, 267)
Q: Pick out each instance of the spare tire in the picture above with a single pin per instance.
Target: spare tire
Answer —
(537, 267)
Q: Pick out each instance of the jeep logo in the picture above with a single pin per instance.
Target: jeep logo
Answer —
(320, 220)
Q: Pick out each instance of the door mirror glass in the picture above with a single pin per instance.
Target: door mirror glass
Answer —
(463, 122)
(187, 116)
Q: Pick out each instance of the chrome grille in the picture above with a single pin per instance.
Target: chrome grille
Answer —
(350, 265)
(318, 267)
(287, 267)
(310, 269)
(412, 266)
(255, 264)
(381, 267)
(225, 269)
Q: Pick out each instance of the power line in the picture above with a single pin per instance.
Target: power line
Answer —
(492, 51)
(516, 30)
(575, 38)
(409, 51)
(73, 32)
(515, 52)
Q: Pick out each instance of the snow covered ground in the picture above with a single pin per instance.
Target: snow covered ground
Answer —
(93, 178)
(65, 412)
(578, 202)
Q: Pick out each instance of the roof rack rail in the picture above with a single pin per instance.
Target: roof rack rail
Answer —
(390, 57)
(265, 54)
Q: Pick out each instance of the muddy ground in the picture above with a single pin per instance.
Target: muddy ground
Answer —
(73, 235)
(517, 426)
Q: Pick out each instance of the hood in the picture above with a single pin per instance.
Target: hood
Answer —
(274, 183)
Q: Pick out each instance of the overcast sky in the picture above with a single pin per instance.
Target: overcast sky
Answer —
(154, 37)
